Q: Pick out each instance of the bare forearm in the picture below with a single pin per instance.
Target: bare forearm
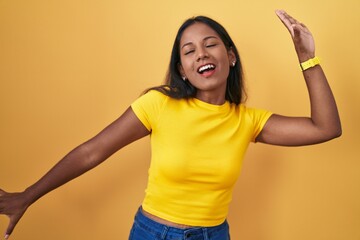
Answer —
(324, 112)
(71, 166)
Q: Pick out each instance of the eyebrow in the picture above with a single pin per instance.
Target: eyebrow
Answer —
(206, 38)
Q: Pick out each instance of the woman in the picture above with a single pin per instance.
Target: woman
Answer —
(199, 134)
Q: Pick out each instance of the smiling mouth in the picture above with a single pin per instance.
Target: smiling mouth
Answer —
(206, 68)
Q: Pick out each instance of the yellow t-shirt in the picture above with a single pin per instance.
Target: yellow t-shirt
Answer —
(197, 151)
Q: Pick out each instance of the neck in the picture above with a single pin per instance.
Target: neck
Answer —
(211, 98)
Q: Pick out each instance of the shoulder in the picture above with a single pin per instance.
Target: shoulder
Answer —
(254, 114)
(149, 106)
(152, 97)
(154, 94)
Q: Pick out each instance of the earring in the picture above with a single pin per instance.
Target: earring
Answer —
(184, 78)
(233, 63)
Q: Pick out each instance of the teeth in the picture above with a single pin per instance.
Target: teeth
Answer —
(206, 67)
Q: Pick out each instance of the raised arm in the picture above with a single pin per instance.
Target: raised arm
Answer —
(324, 123)
(121, 132)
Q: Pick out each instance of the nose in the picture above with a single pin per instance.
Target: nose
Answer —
(202, 54)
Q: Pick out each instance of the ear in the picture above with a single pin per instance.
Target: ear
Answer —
(232, 56)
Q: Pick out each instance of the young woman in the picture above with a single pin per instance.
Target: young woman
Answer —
(200, 130)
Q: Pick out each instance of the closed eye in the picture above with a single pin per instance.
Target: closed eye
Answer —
(188, 52)
(211, 45)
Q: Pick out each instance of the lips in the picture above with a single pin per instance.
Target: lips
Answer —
(206, 69)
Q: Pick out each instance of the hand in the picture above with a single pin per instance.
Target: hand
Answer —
(14, 206)
(302, 37)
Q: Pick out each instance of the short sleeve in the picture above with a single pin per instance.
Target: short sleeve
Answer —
(148, 107)
(258, 118)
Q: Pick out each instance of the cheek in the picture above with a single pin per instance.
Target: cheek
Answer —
(187, 68)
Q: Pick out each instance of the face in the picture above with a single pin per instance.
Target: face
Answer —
(205, 61)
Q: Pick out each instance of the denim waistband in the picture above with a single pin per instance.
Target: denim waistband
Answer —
(163, 230)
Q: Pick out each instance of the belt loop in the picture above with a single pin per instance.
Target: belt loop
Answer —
(165, 230)
(205, 233)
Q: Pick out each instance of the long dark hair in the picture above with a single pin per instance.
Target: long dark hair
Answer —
(176, 87)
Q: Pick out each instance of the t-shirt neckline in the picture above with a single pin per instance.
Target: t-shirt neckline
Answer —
(213, 107)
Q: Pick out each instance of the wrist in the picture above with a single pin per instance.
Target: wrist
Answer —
(312, 62)
(303, 57)
(30, 195)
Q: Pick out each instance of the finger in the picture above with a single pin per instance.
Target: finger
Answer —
(303, 25)
(296, 24)
(11, 226)
(291, 19)
(285, 20)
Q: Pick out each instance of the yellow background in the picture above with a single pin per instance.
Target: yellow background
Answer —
(70, 67)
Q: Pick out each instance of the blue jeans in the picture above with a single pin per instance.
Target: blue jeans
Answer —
(145, 228)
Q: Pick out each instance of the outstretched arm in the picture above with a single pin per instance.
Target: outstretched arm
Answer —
(121, 132)
(324, 123)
